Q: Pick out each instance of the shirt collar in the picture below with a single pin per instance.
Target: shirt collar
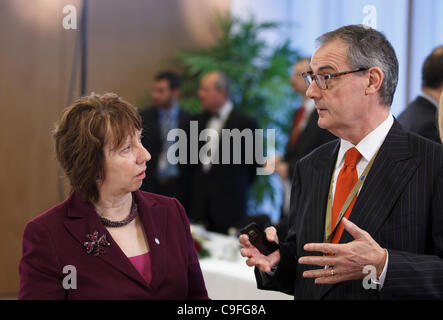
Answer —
(309, 106)
(225, 109)
(369, 145)
(172, 112)
(430, 99)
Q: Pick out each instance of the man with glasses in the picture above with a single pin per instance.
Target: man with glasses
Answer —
(304, 137)
(366, 217)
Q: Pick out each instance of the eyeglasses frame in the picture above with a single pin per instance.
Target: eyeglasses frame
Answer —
(314, 77)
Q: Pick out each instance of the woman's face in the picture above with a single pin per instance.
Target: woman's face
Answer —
(125, 166)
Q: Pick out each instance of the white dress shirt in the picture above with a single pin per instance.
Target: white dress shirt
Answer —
(367, 147)
(217, 124)
(309, 105)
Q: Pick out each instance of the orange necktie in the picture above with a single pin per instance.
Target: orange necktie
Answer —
(345, 182)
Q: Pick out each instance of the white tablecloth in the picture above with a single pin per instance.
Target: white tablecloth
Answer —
(227, 277)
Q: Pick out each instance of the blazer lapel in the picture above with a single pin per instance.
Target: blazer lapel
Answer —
(389, 175)
(314, 226)
(324, 166)
(154, 219)
(83, 221)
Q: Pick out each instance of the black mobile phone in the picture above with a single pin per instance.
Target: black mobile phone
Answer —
(257, 237)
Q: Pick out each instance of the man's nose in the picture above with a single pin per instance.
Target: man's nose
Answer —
(313, 91)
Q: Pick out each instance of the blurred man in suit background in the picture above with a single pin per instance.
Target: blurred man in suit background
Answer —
(220, 190)
(164, 115)
(305, 136)
(420, 116)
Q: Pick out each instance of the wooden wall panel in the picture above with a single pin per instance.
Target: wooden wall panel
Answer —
(129, 41)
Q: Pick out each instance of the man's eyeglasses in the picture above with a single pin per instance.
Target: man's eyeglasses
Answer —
(321, 80)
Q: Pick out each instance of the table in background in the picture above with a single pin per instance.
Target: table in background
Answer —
(227, 277)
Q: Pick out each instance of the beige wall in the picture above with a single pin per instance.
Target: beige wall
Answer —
(129, 41)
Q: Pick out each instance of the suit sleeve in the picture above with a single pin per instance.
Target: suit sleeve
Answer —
(284, 277)
(413, 276)
(39, 269)
(196, 284)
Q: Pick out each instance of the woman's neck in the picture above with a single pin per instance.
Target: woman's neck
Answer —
(114, 208)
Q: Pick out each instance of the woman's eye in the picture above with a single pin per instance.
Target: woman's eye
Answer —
(126, 149)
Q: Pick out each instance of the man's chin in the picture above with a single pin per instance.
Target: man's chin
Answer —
(322, 123)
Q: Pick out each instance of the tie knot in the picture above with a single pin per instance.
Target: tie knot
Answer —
(352, 156)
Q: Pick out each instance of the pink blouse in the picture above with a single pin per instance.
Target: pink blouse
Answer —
(143, 265)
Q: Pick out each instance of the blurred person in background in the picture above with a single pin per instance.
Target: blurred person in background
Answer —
(304, 137)
(420, 116)
(220, 191)
(164, 115)
(123, 243)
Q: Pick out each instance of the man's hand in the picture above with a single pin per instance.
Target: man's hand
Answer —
(278, 165)
(282, 169)
(255, 257)
(348, 259)
(269, 165)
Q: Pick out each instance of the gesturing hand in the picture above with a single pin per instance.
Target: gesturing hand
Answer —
(255, 257)
(348, 259)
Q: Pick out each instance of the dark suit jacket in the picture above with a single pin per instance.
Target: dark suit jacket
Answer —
(400, 205)
(219, 197)
(310, 138)
(420, 117)
(153, 142)
(55, 239)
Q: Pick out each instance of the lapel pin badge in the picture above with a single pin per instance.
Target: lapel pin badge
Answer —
(157, 241)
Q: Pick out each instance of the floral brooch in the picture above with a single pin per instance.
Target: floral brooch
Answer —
(95, 244)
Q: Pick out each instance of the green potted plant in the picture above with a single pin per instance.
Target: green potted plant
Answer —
(259, 77)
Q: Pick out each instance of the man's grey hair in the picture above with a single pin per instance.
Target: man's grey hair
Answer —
(368, 48)
(222, 82)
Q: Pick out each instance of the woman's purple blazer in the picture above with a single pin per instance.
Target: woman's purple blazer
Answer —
(55, 263)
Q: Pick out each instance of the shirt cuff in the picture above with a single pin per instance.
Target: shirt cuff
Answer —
(381, 280)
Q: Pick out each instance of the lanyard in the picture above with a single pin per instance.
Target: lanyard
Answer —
(329, 232)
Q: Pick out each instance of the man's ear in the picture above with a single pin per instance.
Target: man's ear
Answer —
(376, 77)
